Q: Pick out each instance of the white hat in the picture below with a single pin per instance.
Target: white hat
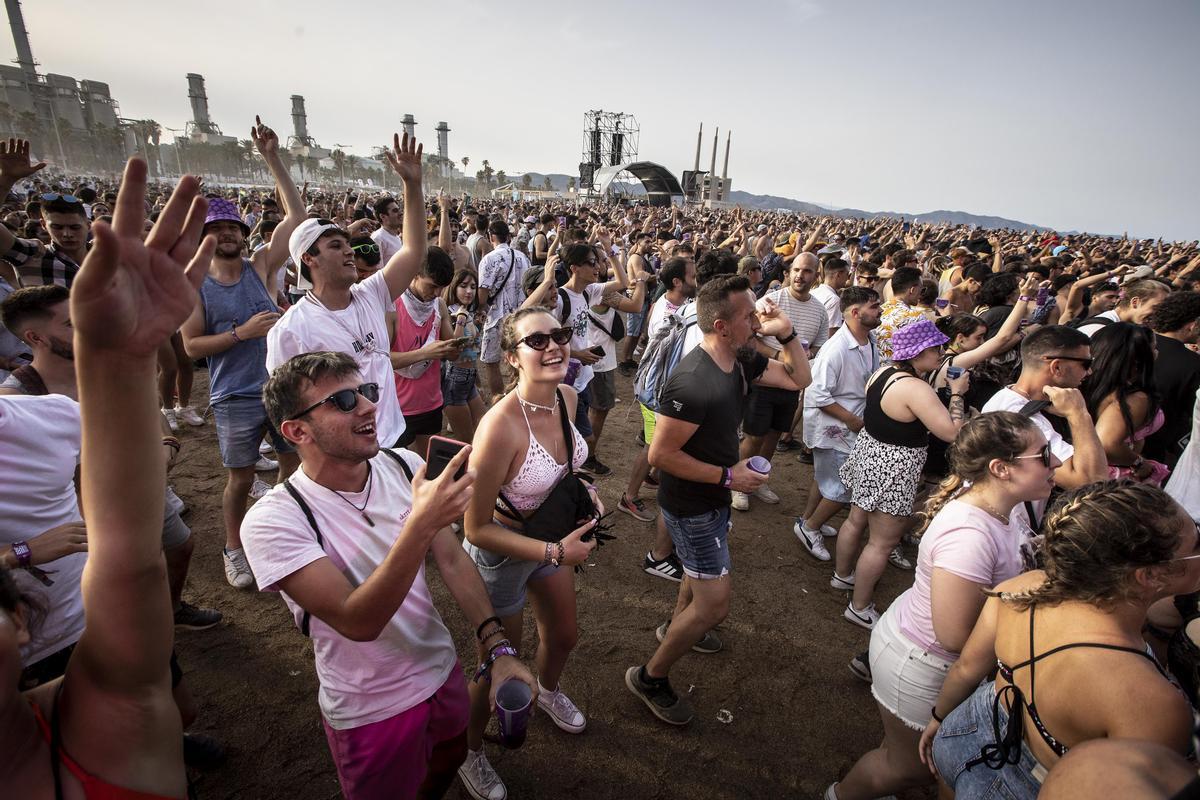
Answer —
(306, 234)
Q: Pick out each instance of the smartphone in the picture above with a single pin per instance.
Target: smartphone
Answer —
(440, 451)
(941, 302)
(461, 342)
(597, 350)
(562, 220)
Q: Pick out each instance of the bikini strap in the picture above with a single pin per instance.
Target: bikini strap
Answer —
(56, 744)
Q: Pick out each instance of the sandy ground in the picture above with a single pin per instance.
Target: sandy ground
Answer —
(778, 714)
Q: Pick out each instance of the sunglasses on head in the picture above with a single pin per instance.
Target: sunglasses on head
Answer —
(540, 341)
(1044, 454)
(366, 249)
(52, 197)
(346, 400)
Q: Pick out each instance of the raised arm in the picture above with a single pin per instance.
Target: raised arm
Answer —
(14, 166)
(269, 259)
(444, 240)
(403, 266)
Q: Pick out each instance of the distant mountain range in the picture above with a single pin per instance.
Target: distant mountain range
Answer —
(768, 202)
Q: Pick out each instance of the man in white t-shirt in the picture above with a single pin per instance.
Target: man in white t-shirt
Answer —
(391, 220)
(345, 541)
(1137, 303)
(342, 314)
(1054, 362)
(835, 275)
(501, 273)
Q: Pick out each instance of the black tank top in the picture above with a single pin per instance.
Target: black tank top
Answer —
(882, 427)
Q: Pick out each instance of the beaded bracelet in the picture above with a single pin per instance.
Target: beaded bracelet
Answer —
(484, 624)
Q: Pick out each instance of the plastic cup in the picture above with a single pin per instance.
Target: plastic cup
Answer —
(513, 705)
(759, 464)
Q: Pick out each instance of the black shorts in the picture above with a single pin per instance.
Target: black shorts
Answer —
(427, 423)
(770, 409)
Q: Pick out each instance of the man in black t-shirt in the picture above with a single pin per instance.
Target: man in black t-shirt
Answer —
(696, 448)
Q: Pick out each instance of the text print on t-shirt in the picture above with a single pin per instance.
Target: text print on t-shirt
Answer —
(369, 344)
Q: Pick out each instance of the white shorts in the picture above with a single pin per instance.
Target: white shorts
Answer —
(905, 677)
(489, 350)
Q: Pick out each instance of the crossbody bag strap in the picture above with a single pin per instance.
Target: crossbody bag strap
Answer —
(312, 522)
(400, 460)
(600, 325)
(566, 426)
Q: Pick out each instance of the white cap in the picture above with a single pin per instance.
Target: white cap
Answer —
(306, 233)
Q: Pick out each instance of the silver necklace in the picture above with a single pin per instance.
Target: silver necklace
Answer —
(362, 511)
(988, 508)
(532, 406)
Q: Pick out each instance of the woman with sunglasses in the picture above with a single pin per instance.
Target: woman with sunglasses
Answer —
(521, 441)
(1073, 665)
(1123, 400)
(971, 534)
(464, 407)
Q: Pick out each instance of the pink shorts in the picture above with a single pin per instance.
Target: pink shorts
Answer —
(390, 758)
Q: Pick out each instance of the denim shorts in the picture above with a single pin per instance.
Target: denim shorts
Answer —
(505, 577)
(827, 466)
(458, 385)
(701, 542)
(905, 677)
(960, 738)
(241, 423)
(633, 323)
(582, 423)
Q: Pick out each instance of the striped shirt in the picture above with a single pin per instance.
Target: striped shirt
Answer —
(809, 318)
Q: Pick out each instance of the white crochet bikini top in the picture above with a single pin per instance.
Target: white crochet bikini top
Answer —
(540, 473)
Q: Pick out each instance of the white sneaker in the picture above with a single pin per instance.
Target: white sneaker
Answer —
(188, 414)
(479, 779)
(237, 569)
(259, 488)
(813, 542)
(741, 501)
(844, 584)
(828, 531)
(898, 560)
(264, 447)
(169, 413)
(864, 618)
(265, 464)
(765, 494)
(562, 711)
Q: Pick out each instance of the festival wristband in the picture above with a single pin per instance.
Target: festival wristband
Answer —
(23, 554)
(485, 668)
(726, 477)
(233, 333)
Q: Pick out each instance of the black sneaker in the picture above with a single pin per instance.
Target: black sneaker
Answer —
(595, 467)
(860, 667)
(627, 368)
(196, 619)
(659, 697)
(710, 643)
(668, 568)
(202, 752)
(651, 480)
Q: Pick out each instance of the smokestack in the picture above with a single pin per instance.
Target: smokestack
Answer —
(16, 21)
(712, 169)
(725, 169)
(699, 139)
(299, 118)
(199, 102)
(410, 125)
(443, 140)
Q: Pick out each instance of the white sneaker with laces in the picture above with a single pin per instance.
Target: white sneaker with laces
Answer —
(863, 618)
(265, 447)
(172, 421)
(479, 779)
(813, 541)
(259, 488)
(561, 710)
(237, 569)
(188, 414)
(828, 531)
(741, 501)
(845, 584)
(898, 560)
(765, 494)
(265, 464)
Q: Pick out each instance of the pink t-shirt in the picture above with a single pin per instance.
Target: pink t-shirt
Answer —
(418, 386)
(970, 543)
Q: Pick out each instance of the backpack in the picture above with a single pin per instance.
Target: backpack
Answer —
(661, 355)
(565, 306)
(312, 521)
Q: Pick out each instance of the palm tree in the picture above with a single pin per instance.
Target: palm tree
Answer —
(547, 184)
(488, 172)
(526, 181)
(339, 161)
(501, 178)
(354, 163)
(571, 182)
(480, 178)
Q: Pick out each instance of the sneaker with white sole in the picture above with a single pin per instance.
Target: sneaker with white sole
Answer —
(266, 464)
(172, 420)
(813, 541)
(898, 560)
(237, 568)
(845, 584)
(710, 643)
(188, 414)
(259, 488)
(479, 779)
(635, 508)
(828, 531)
(864, 618)
(860, 667)
(562, 711)
(659, 697)
(741, 501)
(668, 568)
(264, 447)
(765, 494)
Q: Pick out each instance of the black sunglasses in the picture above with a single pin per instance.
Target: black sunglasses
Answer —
(540, 341)
(51, 197)
(1087, 362)
(1044, 454)
(366, 249)
(346, 400)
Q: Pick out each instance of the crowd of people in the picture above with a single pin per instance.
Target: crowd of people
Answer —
(1009, 415)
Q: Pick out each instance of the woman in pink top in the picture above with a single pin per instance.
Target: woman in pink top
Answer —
(975, 524)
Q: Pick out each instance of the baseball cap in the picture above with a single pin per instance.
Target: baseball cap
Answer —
(307, 233)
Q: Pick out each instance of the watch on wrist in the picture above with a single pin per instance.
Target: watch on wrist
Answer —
(789, 337)
(23, 554)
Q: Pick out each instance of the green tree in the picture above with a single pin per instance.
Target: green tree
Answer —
(547, 184)
(526, 181)
(488, 172)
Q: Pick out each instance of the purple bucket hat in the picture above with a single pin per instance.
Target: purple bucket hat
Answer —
(908, 342)
(220, 210)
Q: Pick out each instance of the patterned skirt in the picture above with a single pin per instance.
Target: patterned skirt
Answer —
(883, 477)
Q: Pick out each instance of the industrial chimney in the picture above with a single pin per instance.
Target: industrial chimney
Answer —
(16, 21)
(299, 118)
(725, 170)
(443, 131)
(410, 125)
(712, 167)
(199, 102)
(699, 139)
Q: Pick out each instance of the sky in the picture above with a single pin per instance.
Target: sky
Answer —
(1067, 114)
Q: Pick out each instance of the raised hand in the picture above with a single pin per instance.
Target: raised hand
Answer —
(265, 140)
(14, 160)
(405, 158)
(130, 296)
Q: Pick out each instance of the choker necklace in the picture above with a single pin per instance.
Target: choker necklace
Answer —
(987, 507)
(363, 510)
(532, 406)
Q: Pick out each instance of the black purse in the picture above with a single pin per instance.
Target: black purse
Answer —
(568, 505)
